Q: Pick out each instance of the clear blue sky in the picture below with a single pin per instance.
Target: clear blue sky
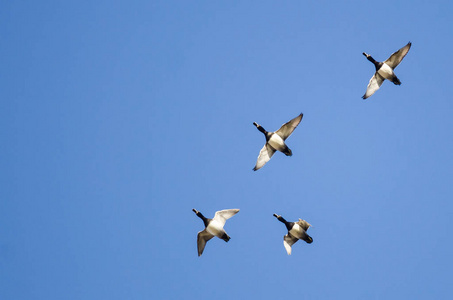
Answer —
(119, 117)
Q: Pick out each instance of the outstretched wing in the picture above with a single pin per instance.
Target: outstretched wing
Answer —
(223, 215)
(202, 238)
(374, 84)
(303, 224)
(285, 131)
(288, 241)
(395, 59)
(265, 155)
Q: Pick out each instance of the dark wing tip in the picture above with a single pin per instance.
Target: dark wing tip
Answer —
(364, 97)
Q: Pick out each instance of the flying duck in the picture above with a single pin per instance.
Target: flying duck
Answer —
(384, 70)
(276, 141)
(213, 227)
(296, 231)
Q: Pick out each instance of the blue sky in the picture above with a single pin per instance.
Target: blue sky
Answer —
(117, 118)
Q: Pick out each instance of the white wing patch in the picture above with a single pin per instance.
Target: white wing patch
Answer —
(374, 84)
(222, 215)
(288, 241)
(265, 155)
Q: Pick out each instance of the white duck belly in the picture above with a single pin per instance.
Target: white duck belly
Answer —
(215, 228)
(386, 72)
(296, 231)
(277, 142)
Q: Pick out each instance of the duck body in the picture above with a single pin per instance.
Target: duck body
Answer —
(216, 229)
(297, 231)
(276, 142)
(387, 72)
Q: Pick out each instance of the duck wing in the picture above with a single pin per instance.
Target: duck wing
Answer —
(265, 155)
(223, 215)
(288, 241)
(202, 238)
(394, 60)
(303, 224)
(374, 84)
(285, 131)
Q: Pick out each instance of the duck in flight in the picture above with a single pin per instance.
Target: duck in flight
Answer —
(276, 141)
(384, 70)
(213, 227)
(296, 231)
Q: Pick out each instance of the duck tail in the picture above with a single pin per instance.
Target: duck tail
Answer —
(396, 81)
(308, 239)
(225, 237)
(287, 151)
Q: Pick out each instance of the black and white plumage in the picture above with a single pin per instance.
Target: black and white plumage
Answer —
(296, 231)
(213, 227)
(384, 70)
(276, 141)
